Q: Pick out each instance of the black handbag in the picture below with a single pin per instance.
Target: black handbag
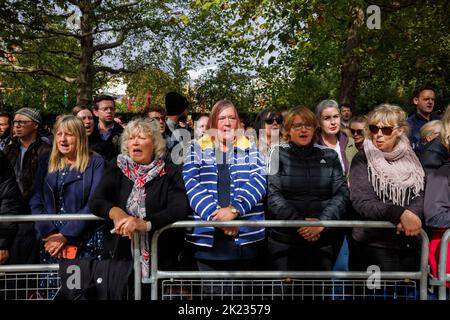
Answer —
(91, 279)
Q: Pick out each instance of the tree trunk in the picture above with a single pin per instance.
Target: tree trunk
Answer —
(85, 79)
(351, 61)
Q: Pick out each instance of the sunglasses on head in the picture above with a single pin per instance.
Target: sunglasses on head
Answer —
(279, 120)
(357, 131)
(387, 131)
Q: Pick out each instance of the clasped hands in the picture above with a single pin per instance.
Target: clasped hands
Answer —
(54, 244)
(225, 214)
(310, 234)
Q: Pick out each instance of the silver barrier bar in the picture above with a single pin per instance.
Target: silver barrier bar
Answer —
(137, 267)
(421, 275)
(29, 267)
(283, 274)
(47, 217)
(442, 267)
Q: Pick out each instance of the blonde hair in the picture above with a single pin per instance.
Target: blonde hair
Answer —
(445, 131)
(75, 126)
(390, 115)
(149, 127)
(430, 128)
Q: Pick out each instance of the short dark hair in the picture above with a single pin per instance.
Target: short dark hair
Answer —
(6, 115)
(77, 109)
(153, 108)
(347, 105)
(417, 92)
(102, 97)
(200, 115)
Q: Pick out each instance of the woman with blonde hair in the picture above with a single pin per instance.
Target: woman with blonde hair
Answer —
(437, 152)
(140, 193)
(64, 185)
(387, 184)
(429, 131)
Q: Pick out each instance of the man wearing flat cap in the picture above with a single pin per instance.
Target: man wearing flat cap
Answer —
(176, 105)
(24, 152)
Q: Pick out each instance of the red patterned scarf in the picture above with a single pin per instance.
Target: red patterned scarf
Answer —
(140, 174)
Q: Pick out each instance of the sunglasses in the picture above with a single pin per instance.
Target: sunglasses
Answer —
(357, 131)
(279, 120)
(387, 131)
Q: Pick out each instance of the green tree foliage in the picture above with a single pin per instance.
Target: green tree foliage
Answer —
(93, 38)
(226, 83)
(305, 51)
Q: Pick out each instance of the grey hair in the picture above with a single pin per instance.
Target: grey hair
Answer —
(146, 126)
(326, 104)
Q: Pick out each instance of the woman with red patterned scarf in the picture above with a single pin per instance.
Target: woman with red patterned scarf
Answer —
(141, 193)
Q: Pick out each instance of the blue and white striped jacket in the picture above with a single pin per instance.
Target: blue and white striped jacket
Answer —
(247, 189)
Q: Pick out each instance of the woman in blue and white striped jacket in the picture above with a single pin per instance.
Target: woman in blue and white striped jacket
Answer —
(225, 180)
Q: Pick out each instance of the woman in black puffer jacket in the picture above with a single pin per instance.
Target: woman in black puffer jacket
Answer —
(305, 183)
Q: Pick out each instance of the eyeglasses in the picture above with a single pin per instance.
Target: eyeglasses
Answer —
(357, 131)
(386, 131)
(298, 126)
(21, 123)
(279, 120)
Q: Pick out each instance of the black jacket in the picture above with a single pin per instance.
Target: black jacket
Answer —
(434, 155)
(165, 202)
(109, 148)
(309, 183)
(10, 199)
(370, 207)
(37, 151)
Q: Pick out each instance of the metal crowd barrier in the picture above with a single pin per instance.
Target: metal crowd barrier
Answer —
(156, 274)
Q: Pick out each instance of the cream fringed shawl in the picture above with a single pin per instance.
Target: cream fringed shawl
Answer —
(397, 175)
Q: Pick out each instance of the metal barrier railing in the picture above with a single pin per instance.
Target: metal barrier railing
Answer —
(55, 267)
(156, 274)
(443, 276)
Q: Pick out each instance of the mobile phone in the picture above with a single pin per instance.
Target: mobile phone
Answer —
(71, 252)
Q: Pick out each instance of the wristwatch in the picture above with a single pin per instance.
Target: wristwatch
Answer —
(234, 210)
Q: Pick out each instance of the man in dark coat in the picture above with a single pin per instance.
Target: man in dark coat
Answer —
(24, 153)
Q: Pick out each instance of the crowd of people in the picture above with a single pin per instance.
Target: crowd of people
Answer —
(294, 164)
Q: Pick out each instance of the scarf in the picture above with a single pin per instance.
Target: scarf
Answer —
(140, 174)
(397, 175)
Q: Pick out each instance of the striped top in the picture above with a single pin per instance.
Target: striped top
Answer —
(247, 189)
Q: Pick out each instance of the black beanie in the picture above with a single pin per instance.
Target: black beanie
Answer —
(175, 104)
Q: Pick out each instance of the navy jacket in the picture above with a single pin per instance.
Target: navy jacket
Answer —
(78, 189)
(416, 121)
